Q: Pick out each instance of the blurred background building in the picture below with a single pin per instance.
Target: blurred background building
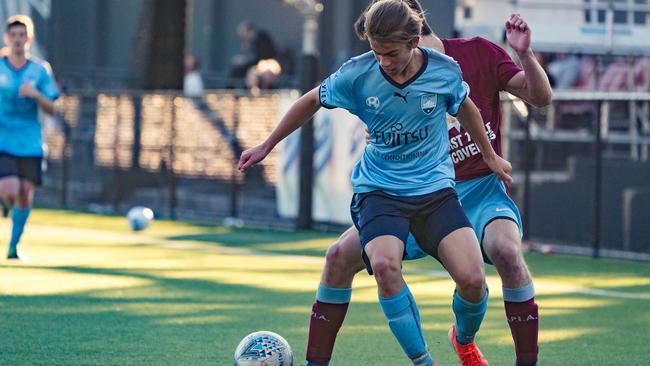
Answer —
(93, 43)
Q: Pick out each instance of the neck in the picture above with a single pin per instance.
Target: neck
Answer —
(414, 65)
(432, 41)
(17, 58)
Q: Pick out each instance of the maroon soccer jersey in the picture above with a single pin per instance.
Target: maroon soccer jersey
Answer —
(487, 68)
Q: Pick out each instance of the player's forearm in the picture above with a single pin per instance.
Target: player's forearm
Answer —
(537, 87)
(45, 104)
(300, 112)
(471, 120)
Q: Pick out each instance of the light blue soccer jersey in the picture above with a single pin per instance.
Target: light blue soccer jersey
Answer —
(408, 154)
(20, 130)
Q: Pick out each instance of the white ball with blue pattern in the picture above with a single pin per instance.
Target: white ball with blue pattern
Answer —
(139, 218)
(263, 348)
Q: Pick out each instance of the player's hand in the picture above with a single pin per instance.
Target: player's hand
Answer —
(252, 156)
(518, 33)
(365, 129)
(501, 167)
(28, 91)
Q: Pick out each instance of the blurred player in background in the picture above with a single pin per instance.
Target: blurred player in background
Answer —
(488, 70)
(404, 181)
(26, 85)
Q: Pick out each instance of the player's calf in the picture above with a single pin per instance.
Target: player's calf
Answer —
(342, 262)
(503, 247)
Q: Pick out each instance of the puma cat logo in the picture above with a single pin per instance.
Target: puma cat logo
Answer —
(396, 94)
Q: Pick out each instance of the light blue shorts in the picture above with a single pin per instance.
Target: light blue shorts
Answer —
(484, 200)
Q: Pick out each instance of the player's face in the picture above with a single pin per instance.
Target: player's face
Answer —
(392, 57)
(16, 38)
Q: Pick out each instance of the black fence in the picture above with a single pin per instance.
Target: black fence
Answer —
(110, 151)
(582, 167)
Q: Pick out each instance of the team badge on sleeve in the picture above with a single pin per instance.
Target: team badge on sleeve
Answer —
(428, 102)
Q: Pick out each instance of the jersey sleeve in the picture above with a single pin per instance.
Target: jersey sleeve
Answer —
(47, 85)
(458, 89)
(504, 67)
(337, 90)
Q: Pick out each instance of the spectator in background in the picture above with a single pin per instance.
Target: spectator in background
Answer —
(264, 75)
(642, 74)
(587, 80)
(616, 76)
(565, 71)
(192, 82)
(256, 45)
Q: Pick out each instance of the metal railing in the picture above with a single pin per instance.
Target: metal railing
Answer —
(618, 125)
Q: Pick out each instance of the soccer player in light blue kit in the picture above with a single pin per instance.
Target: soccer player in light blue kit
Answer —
(488, 69)
(405, 179)
(25, 86)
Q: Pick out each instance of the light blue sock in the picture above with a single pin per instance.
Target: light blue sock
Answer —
(404, 321)
(520, 294)
(468, 317)
(333, 295)
(19, 219)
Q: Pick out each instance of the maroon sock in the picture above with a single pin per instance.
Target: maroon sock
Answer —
(523, 320)
(326, 320)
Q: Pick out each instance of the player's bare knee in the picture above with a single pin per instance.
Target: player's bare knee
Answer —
(472, 283)
(338, 258)
(503, 249)
(386, 270)
(333, 256)
(9, 197)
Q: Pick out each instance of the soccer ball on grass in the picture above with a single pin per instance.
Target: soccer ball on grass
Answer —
(139, 218)
(263, 348)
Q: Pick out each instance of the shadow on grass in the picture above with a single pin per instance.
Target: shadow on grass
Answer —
(193, 321)
(317, 242)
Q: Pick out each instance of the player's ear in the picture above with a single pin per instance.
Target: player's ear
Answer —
(415, 42)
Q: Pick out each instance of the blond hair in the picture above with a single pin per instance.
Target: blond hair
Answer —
(392, 21)
(21, 19)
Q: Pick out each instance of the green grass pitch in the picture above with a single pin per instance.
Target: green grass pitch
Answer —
(95, 293)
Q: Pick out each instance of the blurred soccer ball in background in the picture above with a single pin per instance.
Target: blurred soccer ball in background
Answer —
(263, 348)
(139, 218)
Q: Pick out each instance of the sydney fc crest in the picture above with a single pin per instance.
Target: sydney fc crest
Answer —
(428, 102)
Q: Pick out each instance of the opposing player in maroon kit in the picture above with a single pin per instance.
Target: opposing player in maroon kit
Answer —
(488, 69)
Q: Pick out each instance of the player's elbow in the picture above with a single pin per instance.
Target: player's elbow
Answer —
(544, 100)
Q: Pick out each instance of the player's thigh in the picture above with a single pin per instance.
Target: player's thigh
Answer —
(9, 187)
(441, 216)
(377, 215)
(502, 240)
(460, 254)
(487, 203)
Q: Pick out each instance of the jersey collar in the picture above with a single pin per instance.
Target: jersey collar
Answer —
(413, 78)
(12, 68)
